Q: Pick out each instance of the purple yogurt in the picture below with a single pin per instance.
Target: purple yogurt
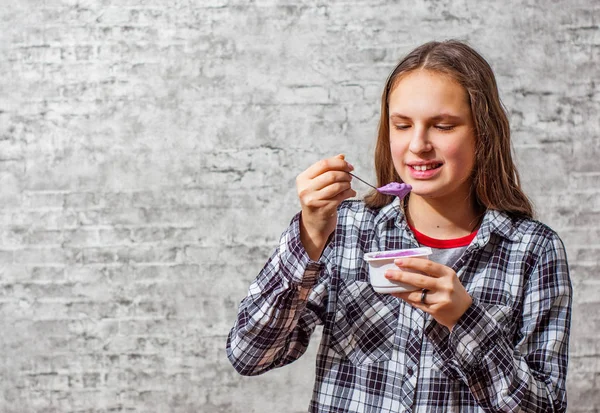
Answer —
(396, 189)
(398, 254)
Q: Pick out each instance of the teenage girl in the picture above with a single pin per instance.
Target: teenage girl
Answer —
(486, 328)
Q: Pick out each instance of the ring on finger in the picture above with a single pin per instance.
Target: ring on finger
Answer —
(424, 295)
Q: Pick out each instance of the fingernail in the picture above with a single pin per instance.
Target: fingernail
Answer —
(398, 262)
(350, 166)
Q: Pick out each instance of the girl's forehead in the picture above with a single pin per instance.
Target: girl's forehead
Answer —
(428, 91)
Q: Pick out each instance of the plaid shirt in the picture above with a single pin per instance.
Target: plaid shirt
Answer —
(507, 353)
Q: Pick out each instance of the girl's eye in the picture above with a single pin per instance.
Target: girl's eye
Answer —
(402, 127)
(444, 127)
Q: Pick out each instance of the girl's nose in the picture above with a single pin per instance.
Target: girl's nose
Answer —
(419, 141)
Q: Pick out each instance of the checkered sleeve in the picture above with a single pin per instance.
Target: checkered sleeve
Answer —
(525, 373)
(283, 306)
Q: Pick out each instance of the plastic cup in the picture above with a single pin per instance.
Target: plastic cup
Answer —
(381, 261)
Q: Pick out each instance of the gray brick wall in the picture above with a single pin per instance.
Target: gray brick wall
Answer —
(148, 150)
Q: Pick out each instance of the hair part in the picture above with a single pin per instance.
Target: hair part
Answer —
(496, 184)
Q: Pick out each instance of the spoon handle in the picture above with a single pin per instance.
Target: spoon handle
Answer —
(364, 182)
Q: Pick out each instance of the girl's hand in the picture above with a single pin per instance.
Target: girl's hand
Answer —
(446, 298)
(321, 189)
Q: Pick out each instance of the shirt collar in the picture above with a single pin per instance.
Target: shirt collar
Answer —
(393, 211)
(499, 223)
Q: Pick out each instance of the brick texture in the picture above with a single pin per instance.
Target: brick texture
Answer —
(148, 150)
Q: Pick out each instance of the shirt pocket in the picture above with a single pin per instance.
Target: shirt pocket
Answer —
(365, 323)
(499, 304)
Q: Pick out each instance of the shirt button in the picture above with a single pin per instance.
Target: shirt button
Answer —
(417, 332)
(410, 371)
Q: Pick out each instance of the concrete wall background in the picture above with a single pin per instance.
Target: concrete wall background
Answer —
(148, 150)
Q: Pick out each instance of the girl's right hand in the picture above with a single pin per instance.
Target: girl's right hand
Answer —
(321, 189)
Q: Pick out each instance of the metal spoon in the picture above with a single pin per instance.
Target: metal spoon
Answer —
(363, 181)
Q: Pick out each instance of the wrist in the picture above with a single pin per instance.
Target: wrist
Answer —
(313, 240)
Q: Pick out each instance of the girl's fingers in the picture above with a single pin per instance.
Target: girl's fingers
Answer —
(337, 163)
(348, 193)
(413, 297)
(329, 178)
(333, 193)
(416, 280)
(423, 265)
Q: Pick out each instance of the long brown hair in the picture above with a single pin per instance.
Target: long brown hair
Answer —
(496, 183)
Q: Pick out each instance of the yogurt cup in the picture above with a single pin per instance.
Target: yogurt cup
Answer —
(381, 261)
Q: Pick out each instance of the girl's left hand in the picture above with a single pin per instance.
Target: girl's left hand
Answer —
(446, 298)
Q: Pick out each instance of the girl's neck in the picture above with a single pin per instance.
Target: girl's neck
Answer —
(442, 219)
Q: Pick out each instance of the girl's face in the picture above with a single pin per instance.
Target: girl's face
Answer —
(432, 136)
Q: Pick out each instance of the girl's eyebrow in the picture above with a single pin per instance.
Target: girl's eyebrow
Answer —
(398, 116)
(437, 118)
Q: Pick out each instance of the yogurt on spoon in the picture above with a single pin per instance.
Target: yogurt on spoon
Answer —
(393, 188)
(396, 189)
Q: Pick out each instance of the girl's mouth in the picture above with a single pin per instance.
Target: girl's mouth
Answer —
(426, 167)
